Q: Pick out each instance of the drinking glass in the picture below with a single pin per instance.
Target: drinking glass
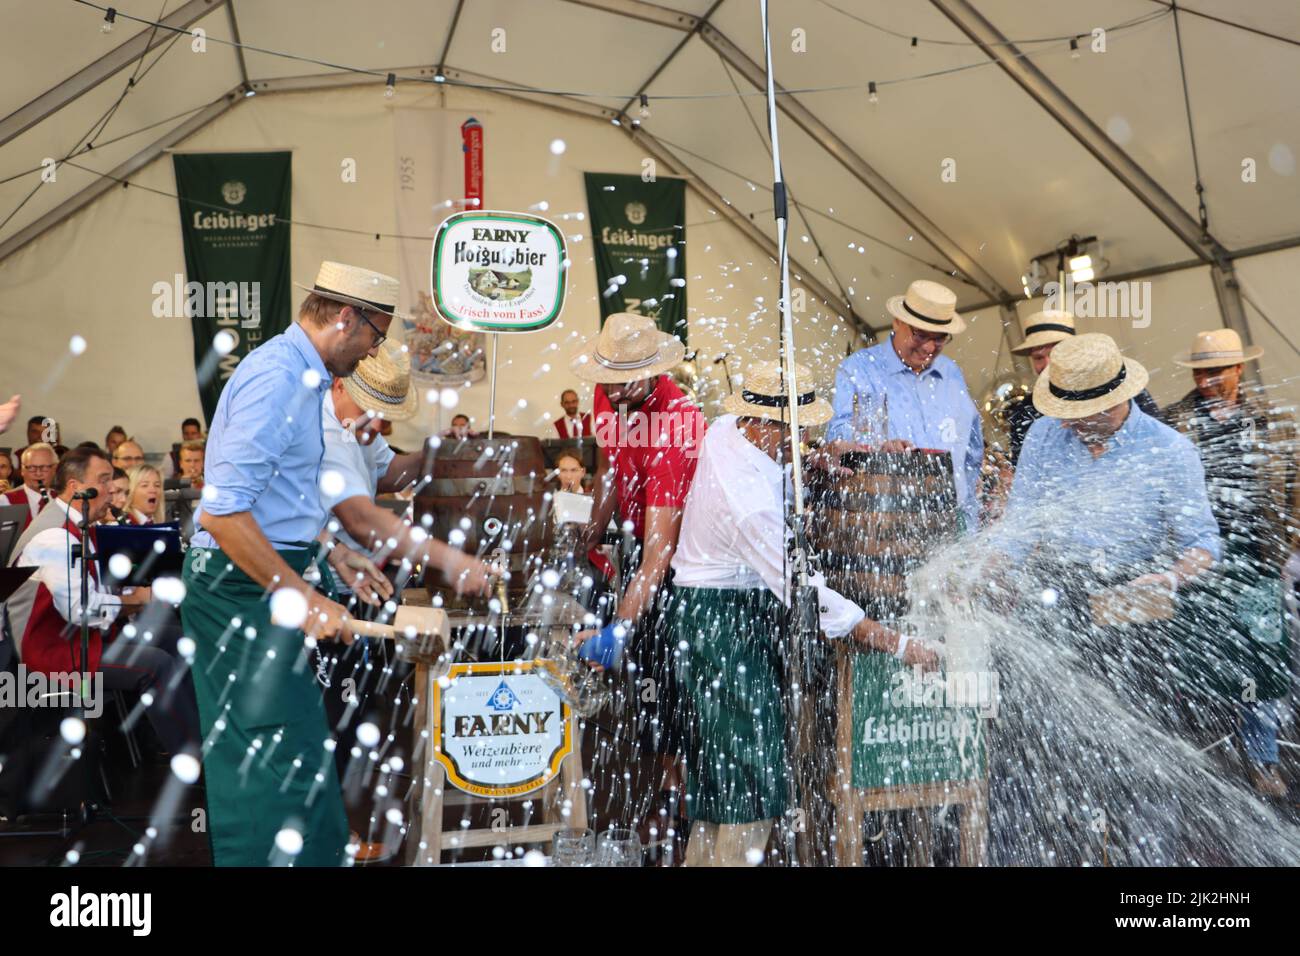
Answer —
(618, 848)
(573, 848)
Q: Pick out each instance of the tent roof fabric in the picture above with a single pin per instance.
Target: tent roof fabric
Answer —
(957, 173)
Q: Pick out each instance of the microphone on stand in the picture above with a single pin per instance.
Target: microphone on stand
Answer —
(85, 494)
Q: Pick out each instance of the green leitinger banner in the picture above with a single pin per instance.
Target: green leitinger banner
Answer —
(235, 226)
(639, 230)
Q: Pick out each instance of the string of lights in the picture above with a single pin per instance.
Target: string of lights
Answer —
(391, 79)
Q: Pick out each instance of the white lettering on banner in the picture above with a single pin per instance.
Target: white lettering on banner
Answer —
(632, 237)
(249, 222)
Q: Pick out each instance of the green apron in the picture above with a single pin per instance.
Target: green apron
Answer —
(266, 768)
(736, 766)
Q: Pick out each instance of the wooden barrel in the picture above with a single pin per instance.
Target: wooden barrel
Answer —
(873, 528)
(492, 491)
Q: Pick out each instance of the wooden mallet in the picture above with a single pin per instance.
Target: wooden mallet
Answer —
(409, 622)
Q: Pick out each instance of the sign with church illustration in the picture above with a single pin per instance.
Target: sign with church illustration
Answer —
(499, 271)
(498, 730)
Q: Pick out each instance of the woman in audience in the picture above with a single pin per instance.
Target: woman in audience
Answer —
(6, 473)
(121, 496)
(145, 496)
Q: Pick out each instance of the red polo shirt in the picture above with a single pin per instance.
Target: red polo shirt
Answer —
(653, 452)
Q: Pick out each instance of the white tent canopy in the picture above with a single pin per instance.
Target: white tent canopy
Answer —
(989, 145)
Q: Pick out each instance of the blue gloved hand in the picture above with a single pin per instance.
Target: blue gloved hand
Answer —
(606, 648)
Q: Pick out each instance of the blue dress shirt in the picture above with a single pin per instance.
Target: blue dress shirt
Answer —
(265, 446)
(931, 410)
(1142, 498)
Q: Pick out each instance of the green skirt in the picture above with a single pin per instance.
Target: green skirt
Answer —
(731, 673)
(265, 762)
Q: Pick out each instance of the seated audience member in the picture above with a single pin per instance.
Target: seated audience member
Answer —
(191, 430)
(572, 473)
(6, 472)
(41, 429)
(120, 498)
(190, 459)
(116, 435)
(181, 490)
(49, 607)
(39, 461)
(145, 496)
(460, 428)
(573, 424)
(128, 455)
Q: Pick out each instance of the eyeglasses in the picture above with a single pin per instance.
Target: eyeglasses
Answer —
(380, 337)
(938, 338)
(129, 458)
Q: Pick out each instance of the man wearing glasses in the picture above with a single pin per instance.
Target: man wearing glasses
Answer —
(128, 455)
(248, 607)
(38, 461)
(902, 393)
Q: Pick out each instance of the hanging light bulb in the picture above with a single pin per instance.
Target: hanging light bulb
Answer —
(645, 107)
(109, 17)
(872, 98)
(389, 87)
(1074, 48)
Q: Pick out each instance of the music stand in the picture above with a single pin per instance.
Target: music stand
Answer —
(140, 544)
(13, 518)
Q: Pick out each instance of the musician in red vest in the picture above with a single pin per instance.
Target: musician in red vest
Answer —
(38, 463)
(51, 636)
(573, 424)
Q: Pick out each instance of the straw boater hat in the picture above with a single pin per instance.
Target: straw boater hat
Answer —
(929, 306)
(1044, 328)
(765, 395)
(1217, 349)
(629, 348)
(353, 285)
(1087, 375)
(382, 384)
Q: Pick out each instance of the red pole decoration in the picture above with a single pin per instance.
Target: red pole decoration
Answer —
(471, 134)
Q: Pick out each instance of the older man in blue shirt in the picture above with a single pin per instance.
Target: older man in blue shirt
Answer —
(272, 792)
(903, 393)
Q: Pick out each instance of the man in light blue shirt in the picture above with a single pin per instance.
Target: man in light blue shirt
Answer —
(905, 392)
(1100, 481)
(247, 606)
(1107, 519)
